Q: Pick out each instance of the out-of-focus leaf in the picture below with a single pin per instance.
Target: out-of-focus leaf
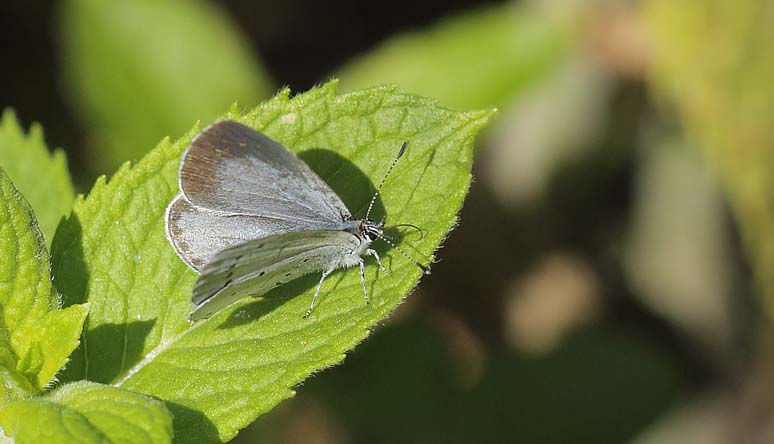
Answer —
(87, 413)
(40, 176)
(472, 60)
(139, 70)
(36, 337)
(692, 287)
(552, 126)
(221, 373)
(713, 60)
(602, 385)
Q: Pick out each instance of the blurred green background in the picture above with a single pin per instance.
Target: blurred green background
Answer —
(612, 276)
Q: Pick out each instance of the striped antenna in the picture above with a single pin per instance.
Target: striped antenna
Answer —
(388, 241)
(384, 179)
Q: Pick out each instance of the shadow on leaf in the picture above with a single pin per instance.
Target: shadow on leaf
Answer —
(70, 277)
(260, 307)
(191, 425)
(102, 340)
(347, 180)
(68, 267)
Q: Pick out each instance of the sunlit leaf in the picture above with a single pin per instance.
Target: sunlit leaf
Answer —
(220, 374)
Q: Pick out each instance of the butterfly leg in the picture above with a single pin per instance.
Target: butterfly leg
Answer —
(317, 291)
(362, 280)
(372, 252)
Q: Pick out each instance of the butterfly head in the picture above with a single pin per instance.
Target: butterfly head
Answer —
(371, 230)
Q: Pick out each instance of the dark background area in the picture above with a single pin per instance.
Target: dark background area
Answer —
(300, 42)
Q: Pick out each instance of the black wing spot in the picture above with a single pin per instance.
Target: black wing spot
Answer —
(306, 260)
(229, 279)
(261, 273)
(287, 274)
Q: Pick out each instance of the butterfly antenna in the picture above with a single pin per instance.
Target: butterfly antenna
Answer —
(384, 179)
(421, 231)
(425, 268)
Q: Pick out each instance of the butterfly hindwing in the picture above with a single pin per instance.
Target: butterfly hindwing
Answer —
(259, 265)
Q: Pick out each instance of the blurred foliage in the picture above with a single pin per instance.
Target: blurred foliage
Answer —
(406, 378)
(40, 176)
(713, 60)
(471, 60)
(555, 123)
(692, 288)
(137, 71)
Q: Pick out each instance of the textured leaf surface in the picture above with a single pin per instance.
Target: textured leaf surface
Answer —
(36, 337)
(86, 413)
(725, 96)
(475, 59)
(222, 373)
(140, 70)
(40, 176)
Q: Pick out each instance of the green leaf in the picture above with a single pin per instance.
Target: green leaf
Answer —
(475, 59)
(714, 63)
(140, 70)
(220, 374)
(86, 413)
(36, 337)
(40, 176)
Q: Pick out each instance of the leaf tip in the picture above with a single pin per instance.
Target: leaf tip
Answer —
(482, 115)
(9, 117)
(476, 120)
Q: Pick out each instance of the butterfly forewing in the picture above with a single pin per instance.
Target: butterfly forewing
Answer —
(232, 168)
(257, 266)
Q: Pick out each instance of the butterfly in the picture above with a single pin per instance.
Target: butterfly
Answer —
(252, 216)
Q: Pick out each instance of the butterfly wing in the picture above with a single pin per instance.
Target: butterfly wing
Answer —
(197, 234)
(232, 168)
(237, 185)
(259, 265)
